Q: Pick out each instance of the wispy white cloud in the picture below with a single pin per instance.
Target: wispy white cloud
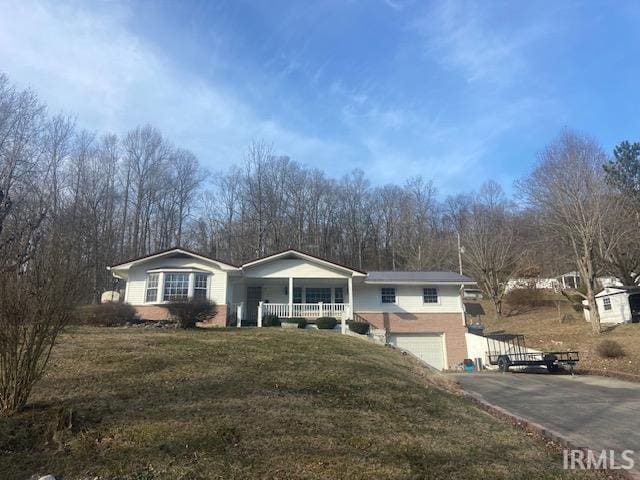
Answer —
(86, 59)
(461, 36)
(91, 64)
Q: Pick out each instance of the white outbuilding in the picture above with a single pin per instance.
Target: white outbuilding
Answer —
(618, 305)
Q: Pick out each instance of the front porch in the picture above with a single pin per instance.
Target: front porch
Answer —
(309, 298)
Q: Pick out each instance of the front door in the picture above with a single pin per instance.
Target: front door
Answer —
(254, 295)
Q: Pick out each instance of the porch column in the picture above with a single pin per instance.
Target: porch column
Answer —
(260, 314)
(343, 324)
(290, 297)
(239, 314)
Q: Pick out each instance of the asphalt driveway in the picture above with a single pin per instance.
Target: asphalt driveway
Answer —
(590, 411)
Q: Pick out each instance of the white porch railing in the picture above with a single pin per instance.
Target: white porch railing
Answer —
(306, 310)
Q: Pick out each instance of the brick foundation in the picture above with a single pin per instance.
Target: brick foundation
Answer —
(448, 323)
(152, 312)
(159, 312)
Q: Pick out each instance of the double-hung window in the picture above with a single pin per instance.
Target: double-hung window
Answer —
(606, 303)
(176, 286)
(338, 295)
(388, 295)
(430, 295)
(151, 296)
(200, 286)
(315, 295)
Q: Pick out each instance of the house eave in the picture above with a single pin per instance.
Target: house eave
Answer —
(415, 282)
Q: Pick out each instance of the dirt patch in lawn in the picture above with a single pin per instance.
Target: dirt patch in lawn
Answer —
(268, 403)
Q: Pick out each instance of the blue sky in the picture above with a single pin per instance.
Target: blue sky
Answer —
(458, 92)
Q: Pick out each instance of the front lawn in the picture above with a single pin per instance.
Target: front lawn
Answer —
(239, 404)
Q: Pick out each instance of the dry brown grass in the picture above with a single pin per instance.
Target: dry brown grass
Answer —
(268, 403)
(544, 331)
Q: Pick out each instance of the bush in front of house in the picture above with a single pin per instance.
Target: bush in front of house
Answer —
(189, 312)
(326, 323)
(300, 321)
(361, 328)
(109, 314)
(610, 349)
(271, 321)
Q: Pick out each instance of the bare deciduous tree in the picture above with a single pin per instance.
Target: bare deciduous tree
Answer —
(568, 188)
(492, 249)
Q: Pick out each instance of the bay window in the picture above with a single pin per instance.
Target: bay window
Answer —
(176, 286)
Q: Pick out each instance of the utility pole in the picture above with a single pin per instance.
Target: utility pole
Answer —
(460, 251)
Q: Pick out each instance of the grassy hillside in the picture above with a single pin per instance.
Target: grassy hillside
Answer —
(544, 331)
(269, 403)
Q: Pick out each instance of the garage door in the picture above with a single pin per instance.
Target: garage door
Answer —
(427, 347)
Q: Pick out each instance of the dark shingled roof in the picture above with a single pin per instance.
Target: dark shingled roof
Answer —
(392, 276)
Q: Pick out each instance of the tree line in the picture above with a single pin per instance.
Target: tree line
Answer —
(73, 202)
(117, 197)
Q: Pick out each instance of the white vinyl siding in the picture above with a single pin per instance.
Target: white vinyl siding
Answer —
(619, 310)
(409, 299)
(296, 268)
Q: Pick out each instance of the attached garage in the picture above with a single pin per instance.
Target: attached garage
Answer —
(428, 347)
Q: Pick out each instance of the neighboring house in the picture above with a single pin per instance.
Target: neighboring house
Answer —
(617, 305)
(570, 280)
(538, 282)
(421, 312)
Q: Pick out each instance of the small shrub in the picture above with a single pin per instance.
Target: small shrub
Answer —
(326, 323)
(271, 321)
(110, 314)
(300, 321)
(361, 328)
(526, 297)
(189, 312)
(610, 349)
